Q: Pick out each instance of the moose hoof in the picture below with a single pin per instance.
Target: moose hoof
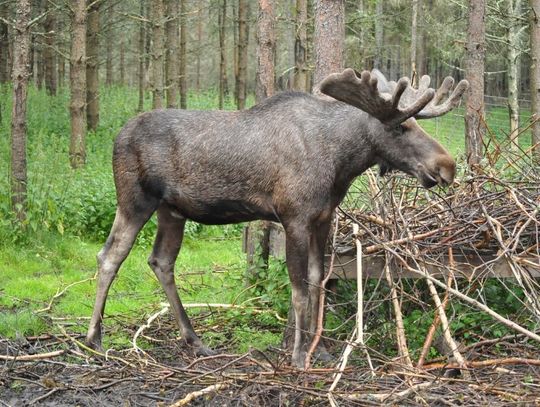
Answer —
(202, 350)
(94, 344)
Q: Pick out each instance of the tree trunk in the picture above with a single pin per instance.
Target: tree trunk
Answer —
(49, 55)
(157, 54)
(420, 62)
(122, 63)
(61, 61)
(92, 66)
(300, 47)
(329, 37)
(77, 148)
(109, 60)
(513, 68)
(171, 53)
(242, 53)
(222, 57)
(21, 61)
(199, 41)
(266, 48)
(474, 68)
(535, 76)
(379, 34)
(183, 56)
(414, 41)
(142, 57)
(4, 45)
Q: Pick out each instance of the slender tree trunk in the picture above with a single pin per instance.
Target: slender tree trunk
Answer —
(513, 68)
(535, 76)
(21, 61)
(420, 41)
(109, 61)
(92, 66)
(171, 53)
(235, 47)
(49, 54)
(77, 148)
(199, 41)
(122, 63)
(266, 48)
(329, 37)
(222, 56)
(157, 54)
(414, 40)
(142, 57)
(300, 47)
(4, 45)
(183, 55)
(61, 61)
(242, 53)
(474, 67)
(379, 34)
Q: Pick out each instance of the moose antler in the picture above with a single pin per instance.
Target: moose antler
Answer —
(390, 102)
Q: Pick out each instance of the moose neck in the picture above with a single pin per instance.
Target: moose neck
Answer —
(351, 137)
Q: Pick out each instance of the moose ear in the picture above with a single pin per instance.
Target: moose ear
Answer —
(383, 85)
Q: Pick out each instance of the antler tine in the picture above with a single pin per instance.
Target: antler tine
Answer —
(363, 93)
(436, 108)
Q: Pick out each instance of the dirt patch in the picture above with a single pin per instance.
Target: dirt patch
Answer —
(166, 372)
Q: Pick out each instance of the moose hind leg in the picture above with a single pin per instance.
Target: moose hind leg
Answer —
(118, 245)
(317, 246)
(164, 253)
(297, 263)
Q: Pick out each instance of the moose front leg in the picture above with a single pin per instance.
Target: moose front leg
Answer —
(297, 243)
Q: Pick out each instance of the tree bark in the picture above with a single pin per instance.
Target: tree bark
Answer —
(329, 37)
(21, 61)
(266, 48)
(474, 68)
(4, 45)
(171, 53)
(142, 57)
(183, 56)
(157, 54)
(513, 60)
(199, 40)
(242, 53)
(77, 148)
(109, 60)
(122, 63)
(300, 47)
(222, 57)
(414, 40)
(92, 66)
(379, 34)
(49, 55)
(535, 76)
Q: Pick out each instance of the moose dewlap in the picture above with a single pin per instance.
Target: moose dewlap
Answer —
(289, 159)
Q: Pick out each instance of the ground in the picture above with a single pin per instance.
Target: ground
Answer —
(165, 373)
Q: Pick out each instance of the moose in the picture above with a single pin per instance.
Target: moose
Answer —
(289, 159)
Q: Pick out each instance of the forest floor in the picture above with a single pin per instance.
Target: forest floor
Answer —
(64, 373)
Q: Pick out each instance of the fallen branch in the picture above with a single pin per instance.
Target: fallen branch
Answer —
(195, 394)
(38, 356)
(484, 363)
